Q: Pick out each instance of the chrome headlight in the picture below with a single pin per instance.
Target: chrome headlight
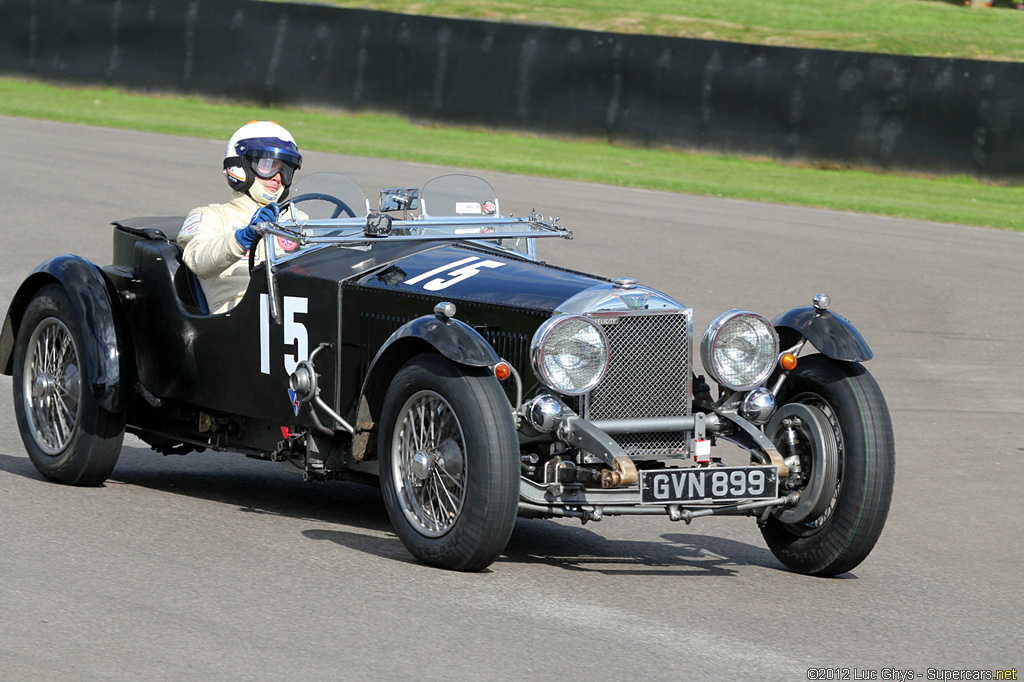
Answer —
(739, 349)
(570, 354)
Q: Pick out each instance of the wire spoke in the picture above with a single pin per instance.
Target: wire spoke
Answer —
(440, 515)
(453, 504)
(67, 413)
(456, 483)
(421, 411)
(432, 496)
(52, 388)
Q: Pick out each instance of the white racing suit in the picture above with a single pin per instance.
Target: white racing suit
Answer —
(213, 253)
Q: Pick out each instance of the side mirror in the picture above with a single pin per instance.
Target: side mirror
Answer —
(407, 199)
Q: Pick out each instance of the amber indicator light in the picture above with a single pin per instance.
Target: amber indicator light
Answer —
(503, 371)
(788, 361)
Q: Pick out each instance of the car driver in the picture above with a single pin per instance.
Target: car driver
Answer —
(260, 161)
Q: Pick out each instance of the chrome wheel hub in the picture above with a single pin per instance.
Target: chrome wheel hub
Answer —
(53, 387)
(43, 388)
(421, 465)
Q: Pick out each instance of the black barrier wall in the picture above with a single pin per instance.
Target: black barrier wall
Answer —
(937, 115)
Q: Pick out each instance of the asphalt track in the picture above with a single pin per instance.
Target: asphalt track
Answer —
(215, 567)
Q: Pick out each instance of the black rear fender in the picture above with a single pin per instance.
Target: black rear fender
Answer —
(107, 353)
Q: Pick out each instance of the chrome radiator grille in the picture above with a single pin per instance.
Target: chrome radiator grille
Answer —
(649, 376)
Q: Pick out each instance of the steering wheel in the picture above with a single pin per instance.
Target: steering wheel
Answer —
(342, 207)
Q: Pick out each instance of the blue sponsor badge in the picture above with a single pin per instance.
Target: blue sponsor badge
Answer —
(296, 403)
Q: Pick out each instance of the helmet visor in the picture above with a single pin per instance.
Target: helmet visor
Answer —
(267, 167)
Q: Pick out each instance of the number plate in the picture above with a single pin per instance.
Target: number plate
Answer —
(713, 484)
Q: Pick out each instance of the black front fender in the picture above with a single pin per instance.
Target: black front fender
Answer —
(831, 334)
(105, 337)
(452, 338)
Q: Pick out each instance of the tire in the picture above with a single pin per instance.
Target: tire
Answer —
(449, 463)
(857, 431)
(69, 437)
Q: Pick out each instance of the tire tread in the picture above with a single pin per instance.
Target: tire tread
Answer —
(487, 519)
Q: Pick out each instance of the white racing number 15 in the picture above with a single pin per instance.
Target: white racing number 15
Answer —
(295, 335)
(456, 273)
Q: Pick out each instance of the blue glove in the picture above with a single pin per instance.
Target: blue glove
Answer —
(247, 234)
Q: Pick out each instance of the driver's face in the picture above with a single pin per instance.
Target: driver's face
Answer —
(271, 184)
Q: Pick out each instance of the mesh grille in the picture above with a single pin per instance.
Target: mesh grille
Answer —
(649, 376)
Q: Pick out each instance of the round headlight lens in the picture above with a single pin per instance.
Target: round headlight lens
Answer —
(739, 349)
(570, 354)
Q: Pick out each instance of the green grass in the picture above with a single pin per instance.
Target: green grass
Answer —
(916, 27)
(947, 199)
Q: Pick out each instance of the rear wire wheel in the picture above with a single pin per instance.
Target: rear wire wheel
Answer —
(448, 456)
(69, 437)
(854, 423)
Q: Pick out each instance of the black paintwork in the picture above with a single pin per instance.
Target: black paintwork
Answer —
(516, 282)
(503, 304)
(158, 357)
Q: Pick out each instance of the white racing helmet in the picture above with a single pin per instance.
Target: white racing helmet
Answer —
(261, 148)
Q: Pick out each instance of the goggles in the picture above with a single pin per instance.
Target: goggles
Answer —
(267, 167)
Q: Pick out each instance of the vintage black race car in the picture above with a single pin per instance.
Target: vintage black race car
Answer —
(423, 346)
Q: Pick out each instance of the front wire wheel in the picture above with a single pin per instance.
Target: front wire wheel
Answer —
(68, 436)
(449, 463)
(854, 433)
(430, 478)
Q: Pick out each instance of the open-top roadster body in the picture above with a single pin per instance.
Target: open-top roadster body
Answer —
(423, 346)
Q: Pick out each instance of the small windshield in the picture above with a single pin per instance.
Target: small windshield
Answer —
(330, 208)
(459, 195)
(467, 196)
